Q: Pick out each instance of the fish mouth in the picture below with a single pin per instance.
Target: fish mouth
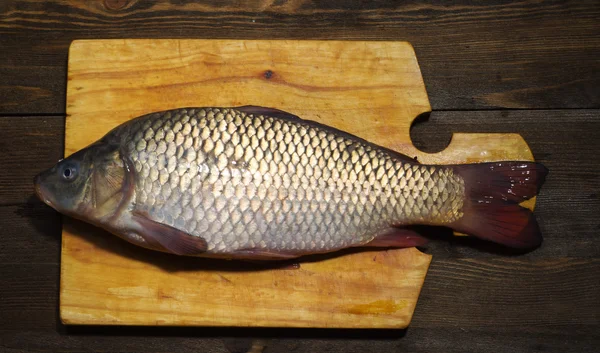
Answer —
(40, 191)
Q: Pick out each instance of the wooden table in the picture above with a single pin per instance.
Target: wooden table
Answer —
(526, 67)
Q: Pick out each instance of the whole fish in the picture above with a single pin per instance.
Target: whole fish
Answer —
(260, 183)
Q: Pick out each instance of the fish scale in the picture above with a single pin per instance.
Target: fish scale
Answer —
(251, 181)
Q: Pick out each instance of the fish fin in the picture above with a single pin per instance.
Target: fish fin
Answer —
(397, 238)
(400, 156)
(276, 113)
(492, 194)
(263, 254)
(502, 181)
(507, 224)
(171, 239)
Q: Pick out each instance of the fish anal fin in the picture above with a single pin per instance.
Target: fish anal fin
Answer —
(397, 238)
(171, 239)
(264, 254)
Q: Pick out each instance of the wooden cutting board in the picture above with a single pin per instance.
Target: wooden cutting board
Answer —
(371, 89)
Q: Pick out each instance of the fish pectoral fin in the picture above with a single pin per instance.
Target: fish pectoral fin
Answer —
(397, 238)
(172, 239)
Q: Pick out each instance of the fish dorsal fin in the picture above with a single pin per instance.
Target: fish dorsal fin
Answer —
(280, 114)
(275, 113)
(171, 239)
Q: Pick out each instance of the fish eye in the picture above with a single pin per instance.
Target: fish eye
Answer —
(69, 172)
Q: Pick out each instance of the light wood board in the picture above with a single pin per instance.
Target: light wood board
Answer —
(370, 89)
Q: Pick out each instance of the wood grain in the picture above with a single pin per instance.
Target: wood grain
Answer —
(495, 54)
(420, 341)
(42, 137)
(535, 293)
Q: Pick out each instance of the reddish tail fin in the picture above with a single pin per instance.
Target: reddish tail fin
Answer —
(493, 191)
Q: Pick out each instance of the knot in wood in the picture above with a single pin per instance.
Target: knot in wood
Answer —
(115, 5)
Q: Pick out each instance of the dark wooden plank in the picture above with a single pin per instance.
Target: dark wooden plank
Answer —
(456, 340)
(498, 53)
(30, 229)
(30, 234)
(503, 295)
(29, 296)
(416, 340)
(28, 145)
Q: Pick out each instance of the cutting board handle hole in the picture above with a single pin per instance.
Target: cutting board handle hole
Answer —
(429, 135)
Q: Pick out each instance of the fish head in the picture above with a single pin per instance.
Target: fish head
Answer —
(91, 184)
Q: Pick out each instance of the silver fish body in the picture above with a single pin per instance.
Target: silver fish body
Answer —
(255, 182)
(244, 181)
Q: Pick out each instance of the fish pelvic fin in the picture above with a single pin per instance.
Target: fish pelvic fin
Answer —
(492, 195)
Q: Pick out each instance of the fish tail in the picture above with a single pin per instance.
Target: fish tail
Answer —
(493, 192)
